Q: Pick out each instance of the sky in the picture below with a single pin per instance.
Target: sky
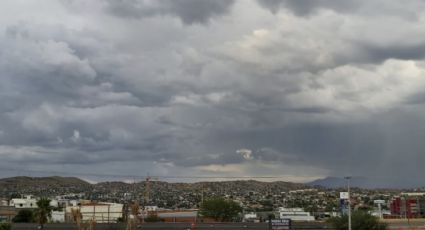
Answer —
(297, 90)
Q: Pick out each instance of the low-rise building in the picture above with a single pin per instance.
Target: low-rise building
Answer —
(4, 202)
(250, 216)
(7, 213)
(295, 214)
(58, 217)
(27, 202)
(152, 208)
(100, 212)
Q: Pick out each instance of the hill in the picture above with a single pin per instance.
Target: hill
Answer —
(359, 182)
(51, 186)
(42, 185)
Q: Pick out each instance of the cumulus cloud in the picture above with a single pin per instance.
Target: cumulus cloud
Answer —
(76, 136)
(245, 153)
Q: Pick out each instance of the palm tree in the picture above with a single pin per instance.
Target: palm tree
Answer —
(132, 223)
(76, 214)
(43, 212)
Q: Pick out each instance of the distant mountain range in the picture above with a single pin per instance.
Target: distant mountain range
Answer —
(368, 183)
(339, 182)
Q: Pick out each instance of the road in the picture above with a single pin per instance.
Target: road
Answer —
(171, 226)
(392, 225)
(405, 224)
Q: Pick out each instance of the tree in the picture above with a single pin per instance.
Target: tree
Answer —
(43, 212)
(132, 222)
(360, 220)
(23, 216)
(152, 217)
(77, 216)
(220, 209)
(5, 226)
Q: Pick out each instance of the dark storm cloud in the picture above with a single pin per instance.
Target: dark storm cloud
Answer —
(258, 93)
(376, 53)
(189, 11)
(416, 99)
(306, 7)
(407, 10)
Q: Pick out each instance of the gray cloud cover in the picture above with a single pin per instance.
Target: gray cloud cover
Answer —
(295, 89)
(189, 11)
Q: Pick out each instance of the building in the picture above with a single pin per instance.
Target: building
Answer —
(58, 217)
(412, 194)
(179, 216)
(7, 213)
(100, 212)
(408, 207)
(28, 202)
(295, 214)
(4, 202)
(250, 217)
(151, 208)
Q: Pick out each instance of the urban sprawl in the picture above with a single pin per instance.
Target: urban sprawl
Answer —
(111, 202)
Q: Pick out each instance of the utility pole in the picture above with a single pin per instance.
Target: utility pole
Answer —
(349, 201)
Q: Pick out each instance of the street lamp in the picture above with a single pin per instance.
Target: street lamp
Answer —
(349, 201)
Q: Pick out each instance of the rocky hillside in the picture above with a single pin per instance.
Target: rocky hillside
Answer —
(42, 186)
(159, 191)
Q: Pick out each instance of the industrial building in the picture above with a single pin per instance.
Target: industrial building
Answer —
(100, 212)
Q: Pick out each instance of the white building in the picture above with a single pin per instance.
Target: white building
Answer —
(100, 212)
(4, 202)
(27, 202)
(73, 203)
(250, 216)
(295, 214)
(409, 194)
(54, 203)
(151, 208)
(58, 217)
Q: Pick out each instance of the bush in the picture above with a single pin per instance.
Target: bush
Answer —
(5, 226)
(153, 218)
(24, 216)
(220, 209)
(360, 220)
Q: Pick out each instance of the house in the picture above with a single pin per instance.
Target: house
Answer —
(28, 202)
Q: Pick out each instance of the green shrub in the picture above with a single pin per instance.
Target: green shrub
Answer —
(5, 226)
(360, 220)
(24, 216)
(220, 209)
(153, 218)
